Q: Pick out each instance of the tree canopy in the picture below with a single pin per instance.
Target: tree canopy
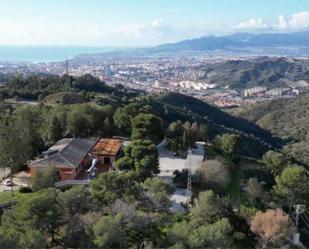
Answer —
(147, 126)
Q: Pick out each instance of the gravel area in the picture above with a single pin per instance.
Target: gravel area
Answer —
(169, 163)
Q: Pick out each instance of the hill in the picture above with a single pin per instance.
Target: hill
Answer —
(264, 44)
(64, 98)
(286, 118)
(264, 71)
(276, 43)
(173, 106)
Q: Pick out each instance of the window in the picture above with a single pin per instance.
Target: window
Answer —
(107, 160)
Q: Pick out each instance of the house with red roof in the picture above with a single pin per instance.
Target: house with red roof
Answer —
(79, 159)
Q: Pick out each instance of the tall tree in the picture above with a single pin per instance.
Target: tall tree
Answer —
(209, 208)
(187, 235)
(15, 145)
(109, 232)
(141, 156)
(44, 178)
(273, 227)
(254, 189)
(109, 187)
(75, 203)
(215, 175)
(79, 123)
(147, 126)
(158, 192)
(293, 185)
(34, 222)
(204, 132)
(228, 143)
(53, 129)
(30, 118)
(274, 161)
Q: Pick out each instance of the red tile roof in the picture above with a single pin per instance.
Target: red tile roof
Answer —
(106, 146)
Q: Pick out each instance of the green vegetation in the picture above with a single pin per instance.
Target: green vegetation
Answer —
(147, 126)
(293, 185)
(234, 197)
(215, 175)
(235, 183)
(182, 136)
(64, 98)
(285, 118)
(141, 156)
(44, 179)
(38, 86)
(274, 161)
(265, 71)
(228, 143)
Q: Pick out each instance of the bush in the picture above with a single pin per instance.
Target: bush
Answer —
(44, 179)
(247, 212)
(180, 178)
(261, 175)
(214, 175)
(25, 190)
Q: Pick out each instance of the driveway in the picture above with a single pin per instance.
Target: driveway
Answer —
(20, 179)
(169, 163)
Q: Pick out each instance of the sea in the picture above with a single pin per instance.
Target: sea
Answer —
(36, 54)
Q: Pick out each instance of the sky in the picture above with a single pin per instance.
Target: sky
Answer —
(135, 23)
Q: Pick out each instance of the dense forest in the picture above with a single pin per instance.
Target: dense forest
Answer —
(39, 86)
(287, 119)
(244, 188)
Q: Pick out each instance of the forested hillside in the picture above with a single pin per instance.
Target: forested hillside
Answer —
(232, 195)
(169, 107)
(264, 71)
(286, 118)
(201, 110)
(37, 86)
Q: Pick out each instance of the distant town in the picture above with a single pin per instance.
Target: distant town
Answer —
(186, 75)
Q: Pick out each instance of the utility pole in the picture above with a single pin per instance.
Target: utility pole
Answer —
(66, 65)
(189, 180)
(68, 79)
(299, 209)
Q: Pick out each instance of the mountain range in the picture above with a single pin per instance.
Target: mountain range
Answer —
(242, 42)
(279, 44)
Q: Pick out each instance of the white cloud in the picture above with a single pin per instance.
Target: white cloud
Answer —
(152, 32)
(157, 23)
(17, 33)
(253, 23)
(282, 23)
(299, 20)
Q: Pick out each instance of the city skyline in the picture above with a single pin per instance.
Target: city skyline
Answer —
(142, 23)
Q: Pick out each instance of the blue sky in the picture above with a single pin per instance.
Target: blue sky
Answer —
(142, 22)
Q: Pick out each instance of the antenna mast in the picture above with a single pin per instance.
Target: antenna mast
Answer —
(189, 180)
(66, 67)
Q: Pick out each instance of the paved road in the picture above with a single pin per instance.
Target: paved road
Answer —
(20, 179)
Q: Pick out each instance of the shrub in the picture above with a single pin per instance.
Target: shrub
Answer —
(25, 190)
